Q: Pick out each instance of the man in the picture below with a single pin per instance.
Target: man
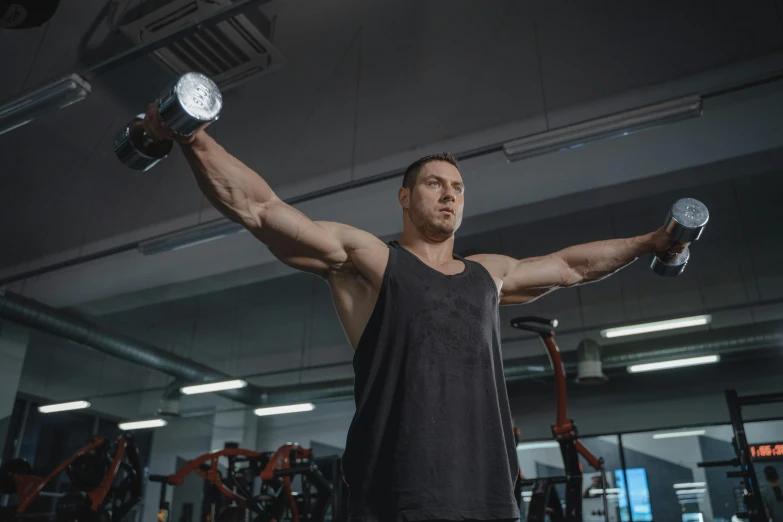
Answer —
(432, 436)
(773, 495)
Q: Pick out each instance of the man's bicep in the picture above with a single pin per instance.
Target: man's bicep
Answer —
(526, 279)
(298, 241)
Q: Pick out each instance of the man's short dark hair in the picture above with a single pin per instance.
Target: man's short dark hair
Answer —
(771, 474)
(412, 172)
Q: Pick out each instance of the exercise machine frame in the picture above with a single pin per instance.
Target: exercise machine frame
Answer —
(754, 505)
(544, 500)
(286, 462)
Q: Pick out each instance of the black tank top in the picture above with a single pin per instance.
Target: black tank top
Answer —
(432, 436)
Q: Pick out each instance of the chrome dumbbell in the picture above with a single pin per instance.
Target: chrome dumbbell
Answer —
(684, 223)
(190, 104)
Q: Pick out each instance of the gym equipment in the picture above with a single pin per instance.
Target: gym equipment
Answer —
(231, 497)
(754, 504)
(544, 502)
(98, 495)
(684, 223)
(190, 104)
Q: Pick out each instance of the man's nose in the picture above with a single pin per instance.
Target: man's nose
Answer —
(449, 195)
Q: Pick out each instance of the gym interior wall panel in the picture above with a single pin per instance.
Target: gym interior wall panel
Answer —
(435, 70)
(14, 341)
(760, 212)
(615, 46)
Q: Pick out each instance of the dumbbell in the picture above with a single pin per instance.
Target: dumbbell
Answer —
(190, 104)
(684, 224)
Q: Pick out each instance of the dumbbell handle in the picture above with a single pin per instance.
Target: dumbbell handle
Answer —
(674, 251)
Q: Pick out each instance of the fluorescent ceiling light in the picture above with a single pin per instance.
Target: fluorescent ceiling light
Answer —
(138, 425)
(658, 326)
(278, 410)
(677, 363)
(676, 434)
(50, 98)
(64, 406)
(620, 124)
(189, 237)
(687, 485)
(599, 491)
(538, 445)
(692, 491)
(213, 387)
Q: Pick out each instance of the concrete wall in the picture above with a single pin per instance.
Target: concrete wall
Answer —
(13, 347)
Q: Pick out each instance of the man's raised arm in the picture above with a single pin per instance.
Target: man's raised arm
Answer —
(246, 198)
(527, 279)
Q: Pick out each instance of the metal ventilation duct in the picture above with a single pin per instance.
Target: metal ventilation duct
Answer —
(229, 52)
(40, 317)
(737, 339)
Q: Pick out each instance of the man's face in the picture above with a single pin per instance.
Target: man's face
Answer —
(436, 201)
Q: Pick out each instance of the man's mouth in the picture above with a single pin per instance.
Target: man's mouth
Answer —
(448, 210)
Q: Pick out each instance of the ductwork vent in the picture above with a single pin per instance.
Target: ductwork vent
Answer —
(229, 52)
(589, 369)
(169, 401)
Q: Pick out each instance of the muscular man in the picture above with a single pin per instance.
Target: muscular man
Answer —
(432, 435)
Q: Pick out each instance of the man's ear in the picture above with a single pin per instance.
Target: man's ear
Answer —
(404, 195)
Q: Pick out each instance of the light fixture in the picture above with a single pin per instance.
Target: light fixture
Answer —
(49, 98)
(658, 326)
(538, 445)
(279, 410)
(688, 485)
(676, 434)
(64, 406)
(213, 387)
(138, 425)
(607, 127)
(677, 363)
(599, 491)
(189, 237)
(698, 491)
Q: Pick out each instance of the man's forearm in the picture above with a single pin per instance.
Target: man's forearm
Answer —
(231, 186)
(594, 261)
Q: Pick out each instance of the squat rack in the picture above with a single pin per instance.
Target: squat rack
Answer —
(744, 460)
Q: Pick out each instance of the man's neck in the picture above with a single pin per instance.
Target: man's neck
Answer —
(429, 251)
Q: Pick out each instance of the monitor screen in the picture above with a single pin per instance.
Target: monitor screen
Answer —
(640, 495)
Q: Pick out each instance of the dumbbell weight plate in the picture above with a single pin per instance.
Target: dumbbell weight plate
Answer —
(671, 267)
(136, 150)
(686, 220)
(191, 104)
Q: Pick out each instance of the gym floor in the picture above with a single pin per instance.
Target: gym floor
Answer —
(120, 286)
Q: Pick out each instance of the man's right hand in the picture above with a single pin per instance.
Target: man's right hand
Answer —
(157, 129)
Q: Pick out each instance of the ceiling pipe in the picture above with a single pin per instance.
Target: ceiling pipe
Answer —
(37, 316)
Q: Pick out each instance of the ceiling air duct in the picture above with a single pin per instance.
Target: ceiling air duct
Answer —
(589, 370)
(229, 52)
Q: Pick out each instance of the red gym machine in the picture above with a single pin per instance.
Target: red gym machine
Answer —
(106, 478)
(544, 503)
(231, 498)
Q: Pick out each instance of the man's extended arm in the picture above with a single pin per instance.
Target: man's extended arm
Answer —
(246, 198)
(527, 279)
